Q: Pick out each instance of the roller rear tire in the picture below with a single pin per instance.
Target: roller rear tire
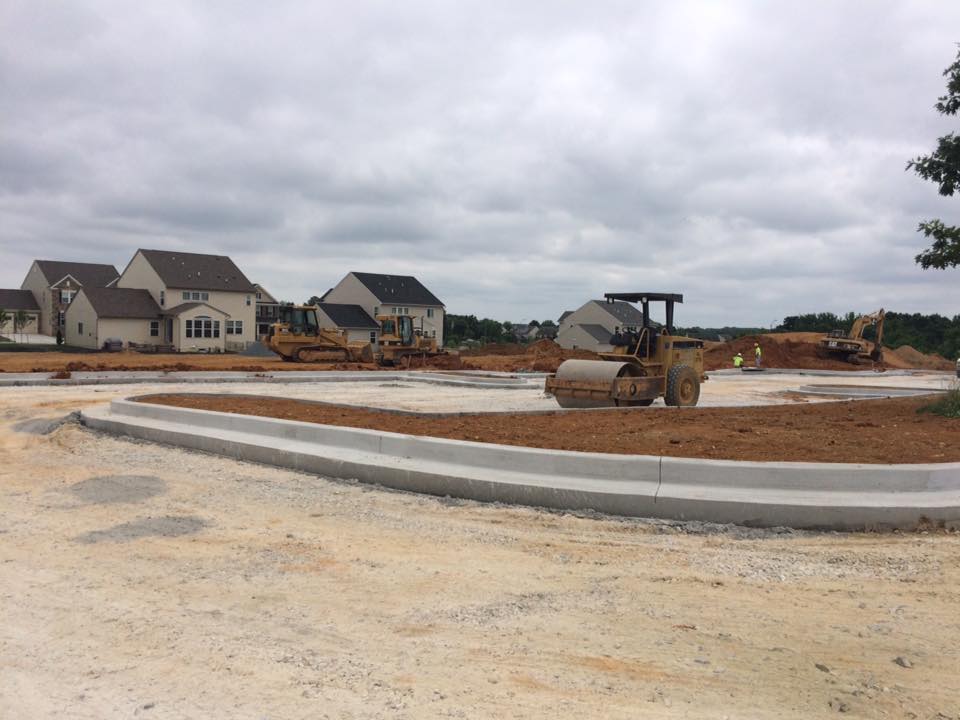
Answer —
(683, 387)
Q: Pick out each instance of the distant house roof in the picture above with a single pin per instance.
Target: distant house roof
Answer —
(87, 274)
(17, 300)
(565, 315)
(623, 311)
(114, 302)
(195, 271)
(597, 332)
(183, 307)
(404, 289)
(352, 317)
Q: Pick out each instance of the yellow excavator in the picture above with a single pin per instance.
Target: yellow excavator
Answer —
(851, 346)
(646, 362)
(298, 337)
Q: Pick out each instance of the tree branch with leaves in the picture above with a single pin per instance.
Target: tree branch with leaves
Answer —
(942, 166)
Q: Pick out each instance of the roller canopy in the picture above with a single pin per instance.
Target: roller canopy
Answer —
(649, 297)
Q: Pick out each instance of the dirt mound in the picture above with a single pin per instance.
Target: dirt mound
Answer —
(916, 359)
(495, 349)
(796, 350)
(541, 356)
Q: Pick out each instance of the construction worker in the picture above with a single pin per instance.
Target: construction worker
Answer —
(738, 361)
(758, 354)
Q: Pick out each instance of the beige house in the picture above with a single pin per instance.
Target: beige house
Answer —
(591, 326)
(351, 319)
(206, 302)
(391, 295)
(54, 283)
(14, 301)
(100, 314)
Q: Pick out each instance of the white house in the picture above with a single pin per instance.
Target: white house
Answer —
(206, 302)
(391, 295)
(591, 326)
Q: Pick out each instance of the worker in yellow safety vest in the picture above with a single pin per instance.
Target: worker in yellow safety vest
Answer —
(738, 361)
(758, 353)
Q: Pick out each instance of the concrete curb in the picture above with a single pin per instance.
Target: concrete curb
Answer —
(800, 495)
(280, 377)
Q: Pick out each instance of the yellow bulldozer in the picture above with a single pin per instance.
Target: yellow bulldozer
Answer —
(852, 346)
(401, 343)
(298, 337)
(646, 362)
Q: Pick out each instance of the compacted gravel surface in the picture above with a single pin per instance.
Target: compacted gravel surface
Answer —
(138, 580)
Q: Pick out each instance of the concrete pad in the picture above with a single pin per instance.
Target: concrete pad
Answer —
(802, 495)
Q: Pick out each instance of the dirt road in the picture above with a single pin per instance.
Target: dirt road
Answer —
(143, 581)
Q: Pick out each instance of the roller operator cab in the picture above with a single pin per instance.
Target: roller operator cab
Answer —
(646, 362)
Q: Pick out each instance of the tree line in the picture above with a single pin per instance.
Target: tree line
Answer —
(459, 329)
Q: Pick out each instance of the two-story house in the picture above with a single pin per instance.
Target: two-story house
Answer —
(54, 283)
(391, 295)
(591, 326)
(207, 303)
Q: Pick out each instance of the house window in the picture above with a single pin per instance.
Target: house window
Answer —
(66, 296)
(60, 319)
(373, 336)
(216, 328)
(196, 295)
(401, 311)
(429, 312)
(234, 327)
(163, 298)
(376, 310)
(154, 328)
(259, 295)
(189, 330)
(186, 294)
(248, 301)
(80, 328)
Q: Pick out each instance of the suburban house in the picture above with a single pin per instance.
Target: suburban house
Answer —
(524, 332)
(591, 326)
(100, 314)
(268, 309)
(391, 295)
(352, 319)
(14, 301)
(204, 302)
(53, 284)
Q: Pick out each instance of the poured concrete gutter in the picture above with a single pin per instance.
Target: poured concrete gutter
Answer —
(801, 495)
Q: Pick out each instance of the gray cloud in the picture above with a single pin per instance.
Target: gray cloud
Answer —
(520, 160)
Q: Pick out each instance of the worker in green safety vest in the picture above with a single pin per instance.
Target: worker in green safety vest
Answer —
(758, 353)
(738, 361)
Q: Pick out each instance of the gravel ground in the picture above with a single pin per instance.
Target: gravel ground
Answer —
(138, 580)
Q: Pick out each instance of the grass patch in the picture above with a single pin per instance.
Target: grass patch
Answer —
(946, 405)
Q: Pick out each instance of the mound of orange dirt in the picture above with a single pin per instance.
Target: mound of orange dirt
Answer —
(790, 350)
(541, 356)
(915, 359)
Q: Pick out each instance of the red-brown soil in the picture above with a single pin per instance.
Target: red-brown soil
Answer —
(541, 356)
(865, 431)
(799, 351)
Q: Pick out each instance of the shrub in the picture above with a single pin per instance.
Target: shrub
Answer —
(947, 404)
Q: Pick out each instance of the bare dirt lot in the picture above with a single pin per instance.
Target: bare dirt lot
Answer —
(138, 580)
(177, 362)
(864, 431)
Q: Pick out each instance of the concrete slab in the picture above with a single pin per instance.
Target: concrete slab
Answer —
(802, 495)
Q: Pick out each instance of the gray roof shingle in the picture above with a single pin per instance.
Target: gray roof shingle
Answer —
(597, 332)
(87, 274)
(623, 311)
(352, 317)
(404, 289)
(127, 303)
(12, 300)
(195, 271)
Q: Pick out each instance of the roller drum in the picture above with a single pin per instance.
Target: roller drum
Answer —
(591, 371)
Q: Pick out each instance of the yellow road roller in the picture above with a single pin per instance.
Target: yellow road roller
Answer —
(646, 361)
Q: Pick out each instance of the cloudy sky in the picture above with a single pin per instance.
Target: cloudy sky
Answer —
(519, 158)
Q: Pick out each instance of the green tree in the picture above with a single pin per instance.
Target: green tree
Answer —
(942, 166)
(20, 320)
(314, 300)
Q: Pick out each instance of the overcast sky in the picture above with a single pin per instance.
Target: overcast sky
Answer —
(519, 158)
